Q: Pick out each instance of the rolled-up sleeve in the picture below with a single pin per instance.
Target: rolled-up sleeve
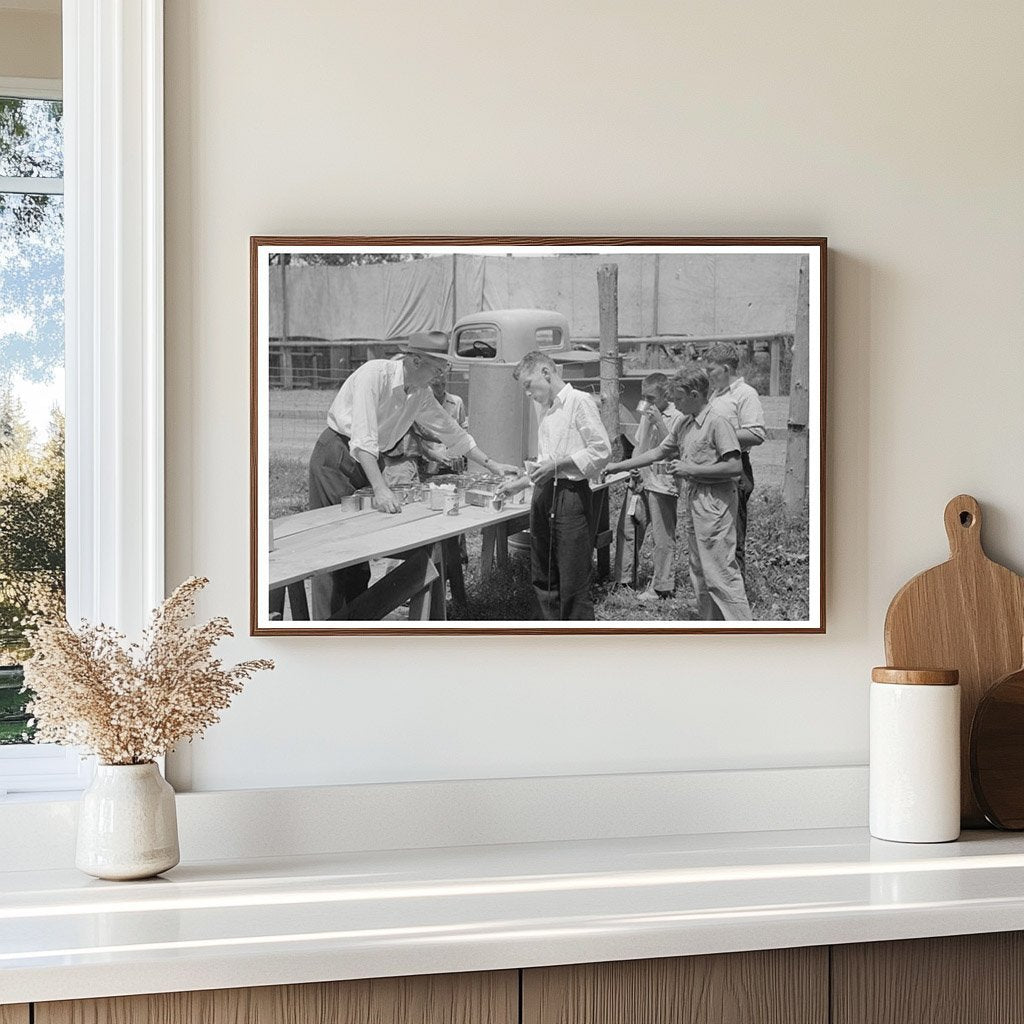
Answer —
(596, 452)
(750, 414)
(723, 437)
(442, 425)
(365, 437)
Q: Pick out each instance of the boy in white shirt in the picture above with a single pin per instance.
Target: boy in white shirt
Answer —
(572, 449)
(740, 404)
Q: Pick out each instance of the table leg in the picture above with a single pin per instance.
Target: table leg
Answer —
(277, 603)
(419, 605)
(453, 567)
(438, 589)
(487, 543)
(603, 535)
(297, 600)
(501, 546)
(411, 582)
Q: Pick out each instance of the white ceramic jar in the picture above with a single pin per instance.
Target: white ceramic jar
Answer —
(127, 823)
(915, 755)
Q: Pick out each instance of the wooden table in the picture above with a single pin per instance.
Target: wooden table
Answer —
(323, 540)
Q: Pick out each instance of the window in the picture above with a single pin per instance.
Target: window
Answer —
(549, 337)
(477, 343)
(32, 533)
(114, 315)
(31, 382)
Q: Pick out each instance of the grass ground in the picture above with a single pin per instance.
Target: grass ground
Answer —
(777, 562)
(777, 570)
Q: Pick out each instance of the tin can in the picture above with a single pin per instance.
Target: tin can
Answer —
(365, 497)
(496, 503)
(451, 504)
(661, 467)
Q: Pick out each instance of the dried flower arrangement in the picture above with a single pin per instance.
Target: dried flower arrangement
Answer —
(129, 704)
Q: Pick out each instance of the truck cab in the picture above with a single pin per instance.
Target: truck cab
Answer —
(499, 338)
(506, 335)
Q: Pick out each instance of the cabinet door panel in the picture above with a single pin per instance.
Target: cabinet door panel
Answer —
(778, 986)
(960, 979)
(482, 998)
(14, 1014)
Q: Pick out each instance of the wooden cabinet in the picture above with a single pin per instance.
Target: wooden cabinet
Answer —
(491, 998)
(967, 979)
(777, 986)
(962, 979)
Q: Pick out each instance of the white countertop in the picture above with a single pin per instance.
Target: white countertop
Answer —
(227, 924)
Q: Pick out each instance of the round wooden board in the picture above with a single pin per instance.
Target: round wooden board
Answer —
(967, 613)
(997, 752)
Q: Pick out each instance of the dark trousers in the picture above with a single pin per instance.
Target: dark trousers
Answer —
(334, 474)
(746, 488)
(562, 549)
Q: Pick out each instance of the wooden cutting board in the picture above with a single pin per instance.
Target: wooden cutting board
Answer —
(967, 614)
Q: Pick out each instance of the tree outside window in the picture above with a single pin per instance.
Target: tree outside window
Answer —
(32, 540)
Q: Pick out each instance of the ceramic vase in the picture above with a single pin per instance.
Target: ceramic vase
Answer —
(127, 825)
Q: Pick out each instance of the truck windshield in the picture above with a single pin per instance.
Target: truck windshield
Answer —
(477, 343)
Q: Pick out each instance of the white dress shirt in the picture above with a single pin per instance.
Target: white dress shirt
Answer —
(572, 428)
(374, 410)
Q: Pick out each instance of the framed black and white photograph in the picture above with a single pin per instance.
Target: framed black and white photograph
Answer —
(537, 435)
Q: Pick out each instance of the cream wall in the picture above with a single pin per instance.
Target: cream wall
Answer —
(894, 129)
(30, 43)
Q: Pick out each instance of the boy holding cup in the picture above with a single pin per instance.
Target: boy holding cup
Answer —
(652, 499)
(706, 456)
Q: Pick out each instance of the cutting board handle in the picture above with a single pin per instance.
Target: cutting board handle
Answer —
(963, 526)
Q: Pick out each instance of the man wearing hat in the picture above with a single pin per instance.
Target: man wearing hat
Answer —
(374, 409)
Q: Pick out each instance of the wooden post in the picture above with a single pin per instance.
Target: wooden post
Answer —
(287, 375)
(286, 259)
(794, 484)
(455, 292)
(608, 308)
(287, 369)
(774, 385)
(338, 364)
(645, 364)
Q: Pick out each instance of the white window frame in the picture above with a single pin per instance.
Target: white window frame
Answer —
(114, 346)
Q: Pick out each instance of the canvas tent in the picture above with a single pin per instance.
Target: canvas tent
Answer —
(664, 294)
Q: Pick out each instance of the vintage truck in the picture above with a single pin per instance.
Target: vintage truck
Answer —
(486, 346)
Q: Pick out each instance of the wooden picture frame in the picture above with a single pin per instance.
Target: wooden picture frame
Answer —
(609, 311)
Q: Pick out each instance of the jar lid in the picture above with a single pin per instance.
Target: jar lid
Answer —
(916, 676)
